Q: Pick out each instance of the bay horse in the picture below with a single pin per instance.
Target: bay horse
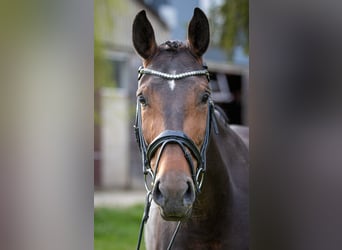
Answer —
(198, 198)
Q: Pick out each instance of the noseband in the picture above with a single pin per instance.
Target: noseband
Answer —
(187, 145)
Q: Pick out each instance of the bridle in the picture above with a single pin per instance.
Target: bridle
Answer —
(166, 137)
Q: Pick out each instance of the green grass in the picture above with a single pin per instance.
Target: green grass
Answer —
(117, 228)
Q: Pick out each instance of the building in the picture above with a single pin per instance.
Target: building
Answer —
(114, 138)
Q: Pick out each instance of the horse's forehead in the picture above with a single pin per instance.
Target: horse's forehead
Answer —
(174, 57)
(173, 91)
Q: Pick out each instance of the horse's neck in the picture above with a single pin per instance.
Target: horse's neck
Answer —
(228, 155)
(225, 186)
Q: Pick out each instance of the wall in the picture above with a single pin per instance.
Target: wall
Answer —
(115, 146)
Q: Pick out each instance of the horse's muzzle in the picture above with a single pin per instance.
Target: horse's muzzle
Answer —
(174, 198)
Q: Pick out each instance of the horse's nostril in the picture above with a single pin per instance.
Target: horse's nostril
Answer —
(189, 195)
(182, 194)
(158, 197)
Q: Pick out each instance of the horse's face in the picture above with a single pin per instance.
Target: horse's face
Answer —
(179, 105)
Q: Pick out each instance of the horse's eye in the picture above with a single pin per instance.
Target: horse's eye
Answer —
(205, 97)
(142, 100)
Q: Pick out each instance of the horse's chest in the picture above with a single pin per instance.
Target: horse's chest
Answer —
(200, 240)
(212, 245)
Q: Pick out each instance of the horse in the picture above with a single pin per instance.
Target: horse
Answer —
(197, 163)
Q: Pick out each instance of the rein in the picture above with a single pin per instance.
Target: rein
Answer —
(188, 147)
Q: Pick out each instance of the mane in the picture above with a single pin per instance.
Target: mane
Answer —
(172, 45)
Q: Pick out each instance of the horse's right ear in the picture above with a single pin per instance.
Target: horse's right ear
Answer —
(143, 36)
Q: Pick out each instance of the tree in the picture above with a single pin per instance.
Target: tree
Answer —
(230, 22)
(103, 22)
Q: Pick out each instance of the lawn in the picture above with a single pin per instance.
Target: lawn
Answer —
(117, 228)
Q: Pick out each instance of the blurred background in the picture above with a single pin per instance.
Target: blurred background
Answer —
(117, 164)
(118, 177)
(47, 119)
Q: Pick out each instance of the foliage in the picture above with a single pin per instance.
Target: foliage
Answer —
(230, 22)
(103, 22)
(117, 228)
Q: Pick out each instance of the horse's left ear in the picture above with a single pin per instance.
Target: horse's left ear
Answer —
(198, 33)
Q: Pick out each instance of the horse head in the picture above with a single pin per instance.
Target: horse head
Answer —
(173, 111)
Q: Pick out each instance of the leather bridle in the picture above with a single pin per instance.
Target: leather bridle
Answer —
(166, 137)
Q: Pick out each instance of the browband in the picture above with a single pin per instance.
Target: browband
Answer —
(142, 71)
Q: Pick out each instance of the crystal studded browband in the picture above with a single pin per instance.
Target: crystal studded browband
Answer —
(142, 71)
